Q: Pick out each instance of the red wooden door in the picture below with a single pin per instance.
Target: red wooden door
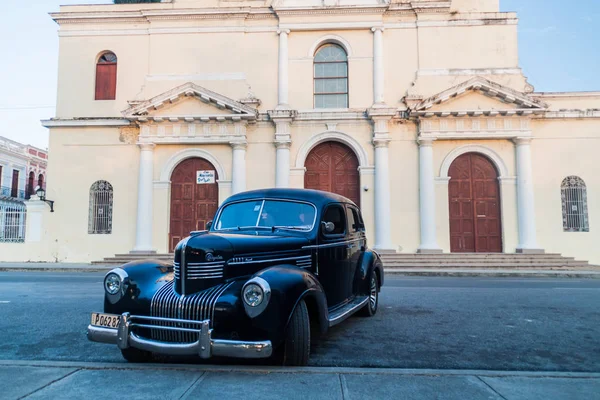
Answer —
(474, 198)
(333, 167)
(192, 204)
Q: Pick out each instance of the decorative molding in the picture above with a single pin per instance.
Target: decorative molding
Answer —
(167, 170)
(330, 39)
(469, 72)
(488, 88)
(473, 148)
(208, 76)
(570, 114)
(140, 110)
(85, 122)
(336, 136)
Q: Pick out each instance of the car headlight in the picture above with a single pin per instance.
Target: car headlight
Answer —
(256, 294)
(116, 283)
(112, 283)
(253, 295)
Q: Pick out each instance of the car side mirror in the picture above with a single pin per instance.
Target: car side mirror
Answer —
(328, 227)
(208, 225)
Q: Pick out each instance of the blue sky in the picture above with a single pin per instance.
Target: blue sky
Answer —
(558, 47)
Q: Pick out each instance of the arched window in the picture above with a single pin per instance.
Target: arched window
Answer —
(574, 205)
(31, 184)
(40, 182)
(331, 77)
(106, 77)
(101, 208)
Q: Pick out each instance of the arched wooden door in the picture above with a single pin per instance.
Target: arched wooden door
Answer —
(474, 196)
(333, 167)
(193, 204)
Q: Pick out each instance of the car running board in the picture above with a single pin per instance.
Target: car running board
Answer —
(344, 312)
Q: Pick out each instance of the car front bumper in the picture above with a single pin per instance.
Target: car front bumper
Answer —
(205, 346)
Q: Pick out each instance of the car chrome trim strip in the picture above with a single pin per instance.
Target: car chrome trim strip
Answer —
(348, 310)
(322, 246)
(168, 308)
(270, 260)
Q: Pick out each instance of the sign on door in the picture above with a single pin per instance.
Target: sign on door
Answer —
(205, 177)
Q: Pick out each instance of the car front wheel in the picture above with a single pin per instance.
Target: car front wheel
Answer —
(296, 347)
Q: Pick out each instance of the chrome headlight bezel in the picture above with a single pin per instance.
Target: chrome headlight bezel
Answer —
(124, 284)
(255, 310)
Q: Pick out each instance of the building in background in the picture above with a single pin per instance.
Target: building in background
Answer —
(22, 169)
(416, 110)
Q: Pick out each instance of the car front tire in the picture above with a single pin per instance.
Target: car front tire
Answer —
(136, 355)
(296, 347)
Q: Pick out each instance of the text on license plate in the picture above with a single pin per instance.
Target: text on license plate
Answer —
(106, 320)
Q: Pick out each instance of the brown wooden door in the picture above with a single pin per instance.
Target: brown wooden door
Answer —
(333, 167)
(106, 81)
(474, 198)
(15, 184)
(192, 204)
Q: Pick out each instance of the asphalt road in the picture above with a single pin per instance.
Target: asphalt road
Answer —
(438, 323)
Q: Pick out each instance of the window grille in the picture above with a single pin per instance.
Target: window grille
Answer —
(574, 205)
(12, 221)
(331, 77)
(101, 208)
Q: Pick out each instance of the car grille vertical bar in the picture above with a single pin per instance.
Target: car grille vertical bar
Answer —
(198, 307)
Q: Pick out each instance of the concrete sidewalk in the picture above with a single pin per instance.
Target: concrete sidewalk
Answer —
(554, 272)
(73, 380)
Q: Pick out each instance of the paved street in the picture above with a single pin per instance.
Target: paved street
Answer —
(440, 323)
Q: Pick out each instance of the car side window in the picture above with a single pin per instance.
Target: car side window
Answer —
(357, 224)
(335, 214)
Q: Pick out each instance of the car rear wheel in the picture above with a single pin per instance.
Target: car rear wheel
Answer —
(371, 308)
(136, 355)
(296, 347)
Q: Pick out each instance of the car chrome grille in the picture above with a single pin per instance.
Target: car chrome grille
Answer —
(210, 270)
(197, 307)
(304, 261)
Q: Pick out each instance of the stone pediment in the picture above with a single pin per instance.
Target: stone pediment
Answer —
(190, 102)
(478, 96)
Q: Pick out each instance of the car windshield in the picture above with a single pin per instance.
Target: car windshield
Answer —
(280, 214)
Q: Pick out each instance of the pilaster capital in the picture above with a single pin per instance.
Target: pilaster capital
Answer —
(425, 142)
(381, 112)
(283, 115)
(522, 141)
(377, 28)
(284, 31)
(282, 143)
(238, 145)
(381, 141)
(146, 146)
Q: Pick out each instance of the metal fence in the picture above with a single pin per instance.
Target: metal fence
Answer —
(12, 221)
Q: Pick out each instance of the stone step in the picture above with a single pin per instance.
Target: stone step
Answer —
(469, 255)
(441, 262)
(484, 265)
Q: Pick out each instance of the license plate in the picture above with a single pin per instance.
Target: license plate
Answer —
(106, 320)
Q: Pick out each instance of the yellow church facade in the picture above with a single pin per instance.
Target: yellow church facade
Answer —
(416, 110)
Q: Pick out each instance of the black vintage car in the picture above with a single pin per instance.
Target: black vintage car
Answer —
(274, 266)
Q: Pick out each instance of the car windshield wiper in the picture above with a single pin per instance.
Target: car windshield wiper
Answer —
(295, 228)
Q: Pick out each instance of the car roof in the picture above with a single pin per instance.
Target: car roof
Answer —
(317, 197)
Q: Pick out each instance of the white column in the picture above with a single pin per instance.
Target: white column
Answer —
(143, 236)
(383, 226)
(378, 71)
(238, 183)
(283, 70)
(282, 171)
(525, 198)
(427, 198)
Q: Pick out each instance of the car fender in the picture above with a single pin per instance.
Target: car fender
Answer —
(370, 262)
(289, 285)
(145, 277)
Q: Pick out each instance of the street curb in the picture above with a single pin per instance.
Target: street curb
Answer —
(296, 370)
